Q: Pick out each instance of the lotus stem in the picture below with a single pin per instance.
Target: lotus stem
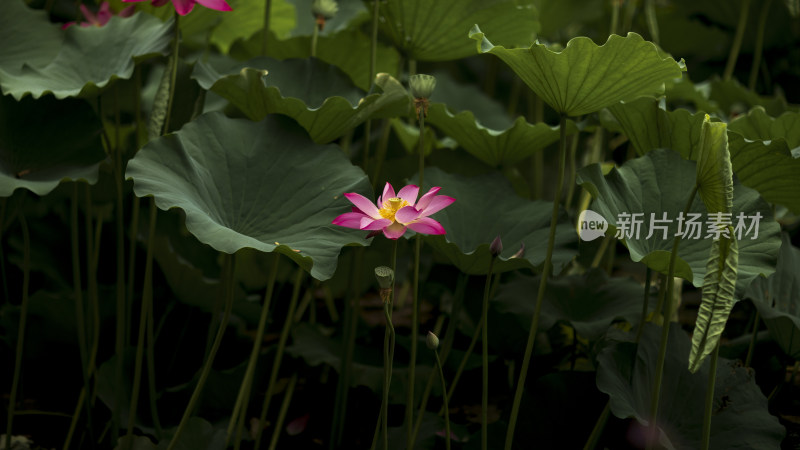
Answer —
(122, 309)
(3, 204)
(759, 45)
(485, 359)
(712, 378)
(546, 272)
(614, 17)
(187, 413)
(387, 295)
(173, 71)
(662, 354)
(444, 394)
(144, 319)
(737, 41)
(599, 426)
(643, 317)
(265, 36)
(287, 400)
(240, 408)
(23, 317)
(276, 362)
(314, 39)
(464, 359)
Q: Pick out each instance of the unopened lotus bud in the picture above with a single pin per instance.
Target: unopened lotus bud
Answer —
(432, 341)
(496, 247)
(324, 10)
(422, 85)
(385, 276)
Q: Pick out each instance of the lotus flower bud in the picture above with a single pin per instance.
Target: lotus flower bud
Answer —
(422, 85)
(496, 247)
(325, 8)
(432, 341)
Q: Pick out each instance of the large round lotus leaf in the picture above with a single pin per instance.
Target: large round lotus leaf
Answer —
(485, 207)
(262, 185)
(778, 299)
(482, 127)
(70, 149)
(90, 58)
(27, 35)
(317, 95)
(659, 183)
(584, 77)
(765, 155)
(589, 302)
(247, 19)
(741, 419)
(427, 30)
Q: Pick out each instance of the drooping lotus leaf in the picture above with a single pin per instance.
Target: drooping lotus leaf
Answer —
(778, 299)
(32, 159)
(27, 35)
(590, 302)
(585, 77)
(659, 183)
(90, 58)
(262, 185)
(316, 94)
(349, 50)
(485, 207)
(714, 173)
(741, 419)
(649, 126)
(435, 31)
(765, 155)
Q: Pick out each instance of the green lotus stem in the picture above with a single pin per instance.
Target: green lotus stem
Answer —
(351, 315)
(247, 382)
(712, 378)
(287, 400)
(485, 359)
(151, 366)
(751, 348)
(650, 18)
(134, 232)
(759, 45)
(614, 17)
(444, 394)
(121, 304)
(598, 257)
(3, 203)
(314, 38)
(737, 41)
(643, 317)
(173, 71)
(546, 272)
(464, 359)
(80, 314)
(447, 345)
(276, 362)
(223, 324)
(373, 49)
(23, 317)
(599, 426)
(265, 36)
(662, 354)
(536, 112)
(82, 398)
(383, 145)
(573, 149)
(388, 358)
(144, 318)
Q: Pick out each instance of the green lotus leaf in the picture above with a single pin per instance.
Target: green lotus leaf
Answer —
(561, 16)
(349, 50)
(317, 95)
(741, 418)
(714, 173)
(247, 19)
(648, 126)
(682, 91)
(90, 58)
(262, 185)
(778, 299)
(589, 302)
(765, 157)
(408, 136)
(28, 37)
(350, 12)
(37, 161)
(585, 77)
(660, 183)
(734, 99)
(434, 31)
(485, 207)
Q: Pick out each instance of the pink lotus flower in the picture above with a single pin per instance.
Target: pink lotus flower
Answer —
(101, 18)
(184, 7)
(395, 213)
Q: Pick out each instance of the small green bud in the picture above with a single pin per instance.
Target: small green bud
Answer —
(422, 85)
(432, 341)
(496, 247)
(385, 276)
